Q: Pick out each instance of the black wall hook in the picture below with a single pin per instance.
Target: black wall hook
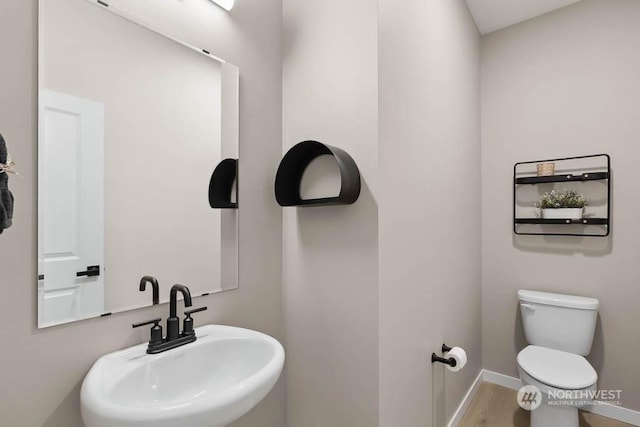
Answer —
(450, 361)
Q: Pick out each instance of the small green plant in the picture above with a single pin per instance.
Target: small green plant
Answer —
(562, 199)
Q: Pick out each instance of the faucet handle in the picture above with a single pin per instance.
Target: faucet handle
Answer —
(187, 327)
(156, 331)
(149, 322)
(188, 313)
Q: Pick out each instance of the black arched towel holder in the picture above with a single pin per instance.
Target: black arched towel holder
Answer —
(221, 185)
(295, 162)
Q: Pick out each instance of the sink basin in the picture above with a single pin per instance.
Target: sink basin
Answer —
(208, 383)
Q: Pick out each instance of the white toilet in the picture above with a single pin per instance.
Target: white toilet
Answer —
(559, 329)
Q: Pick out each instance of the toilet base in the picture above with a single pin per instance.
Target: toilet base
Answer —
(557, 416)
(558, 413)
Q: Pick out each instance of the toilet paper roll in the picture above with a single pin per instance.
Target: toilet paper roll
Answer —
(459, 355)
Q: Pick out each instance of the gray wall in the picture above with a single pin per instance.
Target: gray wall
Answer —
(564, 84)
(429, 202)
(358, 347)
(330, 253)
(42, 370)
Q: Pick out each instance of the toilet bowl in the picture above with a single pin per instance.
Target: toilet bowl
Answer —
(559, 329)
(566, 381)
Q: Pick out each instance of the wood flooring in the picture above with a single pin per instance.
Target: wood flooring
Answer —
(496, 406)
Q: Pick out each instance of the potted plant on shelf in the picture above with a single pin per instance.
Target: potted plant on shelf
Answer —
(566, 204)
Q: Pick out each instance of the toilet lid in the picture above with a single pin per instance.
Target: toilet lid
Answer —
(557, 368)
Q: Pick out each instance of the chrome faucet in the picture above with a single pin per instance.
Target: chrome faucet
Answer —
(158, 344)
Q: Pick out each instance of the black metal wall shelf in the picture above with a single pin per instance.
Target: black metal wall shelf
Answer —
(221, 185)
(583, 221)
(593, 176)
(588, 175)
(293, 165)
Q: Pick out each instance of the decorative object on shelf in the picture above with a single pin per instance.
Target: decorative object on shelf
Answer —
(293, 165)
(6, 198)
(546, 169)
(221, 185)
(561, 213)
(567, 204)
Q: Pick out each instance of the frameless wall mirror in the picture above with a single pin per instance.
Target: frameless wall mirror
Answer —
(132, 123)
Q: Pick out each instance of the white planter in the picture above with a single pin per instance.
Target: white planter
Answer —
(563, 213)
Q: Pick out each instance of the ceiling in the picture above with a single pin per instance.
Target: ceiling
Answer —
(492, 15)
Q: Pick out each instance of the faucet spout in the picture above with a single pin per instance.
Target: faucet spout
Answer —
(173, 299)
(154, 284)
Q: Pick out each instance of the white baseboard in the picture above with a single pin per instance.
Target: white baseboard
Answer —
(466, 401)
(616, 412)
(500, 379)
(610, 411)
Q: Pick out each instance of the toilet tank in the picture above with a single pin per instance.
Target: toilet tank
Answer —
(561, 322)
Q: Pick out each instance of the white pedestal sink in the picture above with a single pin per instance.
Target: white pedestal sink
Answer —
(208, 383)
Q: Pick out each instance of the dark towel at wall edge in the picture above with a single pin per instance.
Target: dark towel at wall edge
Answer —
(6, 198)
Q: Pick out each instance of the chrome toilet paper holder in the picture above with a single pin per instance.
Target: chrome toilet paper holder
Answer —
(451, 361)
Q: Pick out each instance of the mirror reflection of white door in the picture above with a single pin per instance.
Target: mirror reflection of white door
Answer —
(71, 208)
